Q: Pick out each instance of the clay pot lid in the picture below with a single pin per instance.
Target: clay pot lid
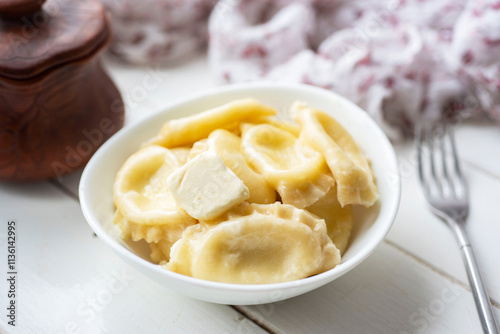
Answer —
(36, 35)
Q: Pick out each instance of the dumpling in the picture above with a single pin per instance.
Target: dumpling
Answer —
(297, 172)
(339, 220)
(227, 145)
(349, 166)
(255, 244)
(142, 197)
(160, 251)
(293, 128)
(188, 130)
(201, 146)
(282, 124)
(181, 153)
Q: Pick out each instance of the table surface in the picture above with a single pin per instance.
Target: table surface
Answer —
(415, 282)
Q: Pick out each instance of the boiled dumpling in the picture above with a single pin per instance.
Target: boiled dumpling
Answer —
(160, 251)
(255, 244)
(339, 220)
(181, 153)
(297, 172)
(201, 146)
(188, 130)
(349, 166)
(142, 197)
(227, 145)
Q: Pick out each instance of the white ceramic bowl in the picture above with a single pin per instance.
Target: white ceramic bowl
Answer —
(371, 225)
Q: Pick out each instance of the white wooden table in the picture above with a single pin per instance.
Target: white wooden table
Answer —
(69, 282)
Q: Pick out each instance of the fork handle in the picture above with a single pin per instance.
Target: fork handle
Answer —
(481, 298)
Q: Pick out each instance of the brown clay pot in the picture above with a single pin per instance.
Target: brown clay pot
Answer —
(57, 105)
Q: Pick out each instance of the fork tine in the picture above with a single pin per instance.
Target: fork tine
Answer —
(450, 188)
(426, 143)
(419, 138)
(456, 165)
(431, 141)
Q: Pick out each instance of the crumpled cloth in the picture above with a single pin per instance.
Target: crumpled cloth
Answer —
(476, 53)
(402, 61)
(157, 31)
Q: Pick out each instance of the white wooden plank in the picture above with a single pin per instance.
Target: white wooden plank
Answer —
(388, 293)
(69, 282)
(479, 144)
(418, 231)
(146, 89)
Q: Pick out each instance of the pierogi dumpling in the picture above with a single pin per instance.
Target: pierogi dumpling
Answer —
(297, 172)
(234, 194)
(201, 146)
(181, 153)
(339, 220)
(227, 145)
(160, 251)
(255, 244)
(286, 125)
(142, 197)
(348, 164)
(188, 130)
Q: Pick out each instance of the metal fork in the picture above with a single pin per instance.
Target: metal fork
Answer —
(446, 192)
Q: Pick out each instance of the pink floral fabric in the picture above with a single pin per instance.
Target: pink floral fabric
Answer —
(402, 61)
(158, 31)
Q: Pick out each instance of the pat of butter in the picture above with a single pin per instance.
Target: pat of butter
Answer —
(205, 187)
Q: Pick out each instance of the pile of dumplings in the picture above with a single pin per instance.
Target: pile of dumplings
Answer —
(236, 194)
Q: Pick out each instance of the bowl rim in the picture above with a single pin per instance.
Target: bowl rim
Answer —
(339, 270)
